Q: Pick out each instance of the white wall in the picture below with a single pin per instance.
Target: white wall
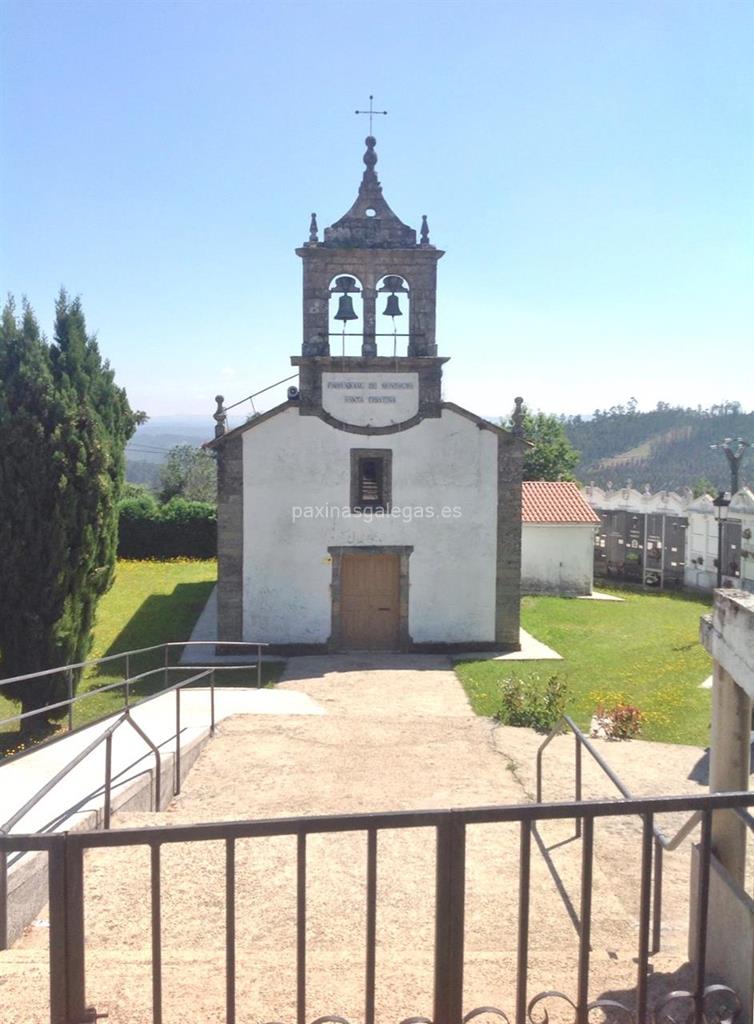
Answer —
(701, 543)
(628, 499)
(557, 558)
(292, 462)
(701, 535)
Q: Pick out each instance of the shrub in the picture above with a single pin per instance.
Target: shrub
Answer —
(617, 720)
(178, 528)
(533, 702)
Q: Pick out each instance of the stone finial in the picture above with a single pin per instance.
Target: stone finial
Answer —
(370, 223)
(370, 156)
(518, 418)
(647, 489)
(313, 230)
(220, 417)
(424, 233)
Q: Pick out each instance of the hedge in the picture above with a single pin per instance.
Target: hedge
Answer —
(178, 528)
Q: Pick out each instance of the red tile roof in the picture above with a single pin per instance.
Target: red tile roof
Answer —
(546, 501)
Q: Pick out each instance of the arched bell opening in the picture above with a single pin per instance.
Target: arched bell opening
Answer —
(346, 315)
(392, 313)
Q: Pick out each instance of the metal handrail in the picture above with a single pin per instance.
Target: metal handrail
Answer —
(138, 650)
(269, 387)
(126, 682)
(58, 776)
(582, 740)
(107, 738)
(104, 738)
(744, 815)
(661, 841)
(120, 778)
(114, 686)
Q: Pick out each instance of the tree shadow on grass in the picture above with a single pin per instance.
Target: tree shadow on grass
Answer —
(165, 618)
(159, 619)
(14, 740)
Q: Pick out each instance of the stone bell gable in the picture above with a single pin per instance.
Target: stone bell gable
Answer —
(370, 243)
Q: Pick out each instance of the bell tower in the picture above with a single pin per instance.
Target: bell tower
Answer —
(367, 256)
(369, 360)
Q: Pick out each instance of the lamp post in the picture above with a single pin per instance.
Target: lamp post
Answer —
(720, 502)
(734, 449)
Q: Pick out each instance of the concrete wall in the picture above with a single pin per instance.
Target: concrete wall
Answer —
(730, 936)
(28, 879)
(727, 633)
(702, 540)
(297, 473)
(700, 555)
(701, 546)
(557, 558)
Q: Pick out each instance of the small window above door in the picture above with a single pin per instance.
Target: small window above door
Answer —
(371, 479)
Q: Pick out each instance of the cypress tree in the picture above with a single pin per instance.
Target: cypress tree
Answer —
(64, 425)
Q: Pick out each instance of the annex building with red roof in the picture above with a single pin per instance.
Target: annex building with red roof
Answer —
(557, 539)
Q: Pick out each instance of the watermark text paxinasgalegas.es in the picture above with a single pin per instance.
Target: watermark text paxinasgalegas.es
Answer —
(405, 513)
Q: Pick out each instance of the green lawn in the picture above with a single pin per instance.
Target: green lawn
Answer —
(645, 650)
(150, 602)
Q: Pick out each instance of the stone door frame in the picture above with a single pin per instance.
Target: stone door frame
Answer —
(335, 640)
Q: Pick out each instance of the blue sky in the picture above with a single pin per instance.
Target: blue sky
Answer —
(586, 165)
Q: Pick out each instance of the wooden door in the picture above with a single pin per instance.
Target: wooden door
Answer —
(370, 602)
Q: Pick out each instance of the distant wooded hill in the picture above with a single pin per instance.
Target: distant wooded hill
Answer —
(665, 448)
(668, 447)
(148, 449)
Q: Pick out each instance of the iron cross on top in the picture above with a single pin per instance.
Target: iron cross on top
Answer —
(371, 112)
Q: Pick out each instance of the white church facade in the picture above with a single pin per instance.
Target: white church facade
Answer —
(366, 513)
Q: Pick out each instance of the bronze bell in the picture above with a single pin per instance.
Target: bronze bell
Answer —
(345, 309)
(392, 308)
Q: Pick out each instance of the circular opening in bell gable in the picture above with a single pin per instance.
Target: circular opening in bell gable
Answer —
(371, 213)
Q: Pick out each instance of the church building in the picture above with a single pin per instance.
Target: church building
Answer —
(366, 513)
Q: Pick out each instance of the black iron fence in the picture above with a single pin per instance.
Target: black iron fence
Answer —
(701, 1002)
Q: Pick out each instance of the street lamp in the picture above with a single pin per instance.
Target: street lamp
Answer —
(720, 502)
(733, 448)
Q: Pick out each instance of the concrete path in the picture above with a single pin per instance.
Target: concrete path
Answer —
(77, 800)
(531, 650)
(379, 685)
(397, 733)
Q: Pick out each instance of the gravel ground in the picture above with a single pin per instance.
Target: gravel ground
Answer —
(398, 734)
